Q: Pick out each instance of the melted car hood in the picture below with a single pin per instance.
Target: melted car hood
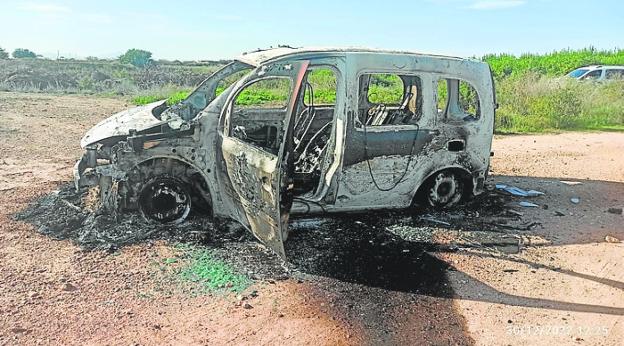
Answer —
(120, 124)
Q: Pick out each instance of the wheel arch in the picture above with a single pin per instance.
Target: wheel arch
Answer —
(462, 172)
(201, 187)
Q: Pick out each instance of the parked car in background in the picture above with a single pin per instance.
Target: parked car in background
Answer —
(598, 73)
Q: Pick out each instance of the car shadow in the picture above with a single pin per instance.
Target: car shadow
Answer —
(356, 248)
(364, 248)
(359, 249)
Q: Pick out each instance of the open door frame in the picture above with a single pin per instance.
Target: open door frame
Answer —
(260, 182)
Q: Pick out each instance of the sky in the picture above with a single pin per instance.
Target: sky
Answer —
(207, 30)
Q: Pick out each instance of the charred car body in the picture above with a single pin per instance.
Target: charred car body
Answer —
(301, 131)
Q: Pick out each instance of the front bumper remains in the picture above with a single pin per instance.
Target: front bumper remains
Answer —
(89, 172)
(85, 169)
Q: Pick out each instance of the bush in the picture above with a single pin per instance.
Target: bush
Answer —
(536, 103)
(3, 54)
(21, 53)
(136, 57)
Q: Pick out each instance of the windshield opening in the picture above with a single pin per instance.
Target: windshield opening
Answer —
(226, 82)
(577, 73)
(208, 90)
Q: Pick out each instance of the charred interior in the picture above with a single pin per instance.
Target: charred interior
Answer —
(258, 119)
(312, 129)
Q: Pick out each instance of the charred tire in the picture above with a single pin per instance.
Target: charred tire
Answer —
(445, 190)
(165, 200)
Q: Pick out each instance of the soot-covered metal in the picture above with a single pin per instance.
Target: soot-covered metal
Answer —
(242, 155)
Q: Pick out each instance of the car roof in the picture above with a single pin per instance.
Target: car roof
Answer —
(260, 56)
(596, 67)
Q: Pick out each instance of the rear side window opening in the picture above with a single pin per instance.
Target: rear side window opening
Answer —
(389, 99)
(457, 100)
(614, 74)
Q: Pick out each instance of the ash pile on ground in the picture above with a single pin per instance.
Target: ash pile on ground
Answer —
(63, 215)
(376, 249)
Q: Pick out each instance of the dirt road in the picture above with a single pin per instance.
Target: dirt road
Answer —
(359, 286)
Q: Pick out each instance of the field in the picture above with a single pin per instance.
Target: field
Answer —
(375, 278)
(534, 97)
(105, 77)
(532, 92)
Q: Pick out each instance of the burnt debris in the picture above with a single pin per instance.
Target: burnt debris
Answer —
(65, 214)
(376, 249)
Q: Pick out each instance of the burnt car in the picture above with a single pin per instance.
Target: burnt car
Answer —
(287, 130)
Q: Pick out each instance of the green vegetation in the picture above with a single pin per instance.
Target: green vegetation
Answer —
(534, 96)
(177, 97)
(172, 97)
(136, 57)
(273, 92)
(21, 53)
(323, 83)
(210, 273)
(536, 103)
(105, 77)
(552, 64)
(3, 54)
(146, 99)
(386, 89)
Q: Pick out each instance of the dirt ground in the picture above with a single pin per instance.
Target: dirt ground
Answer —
(565, 286)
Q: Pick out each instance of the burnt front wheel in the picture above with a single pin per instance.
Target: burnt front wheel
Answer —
(165, 200)
(445, 190)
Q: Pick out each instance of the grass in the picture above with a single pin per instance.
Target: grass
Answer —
(274, 92)
(533, 103)
(146, 99)
(172, 97)
(211, 274)
(534, 97)
(612, 128)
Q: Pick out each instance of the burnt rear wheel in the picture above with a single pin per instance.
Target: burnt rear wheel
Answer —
(166, 200)
(445, 190)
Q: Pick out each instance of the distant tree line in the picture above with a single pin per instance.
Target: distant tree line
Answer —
(136, 57)
(21, 53)
(18, 53)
